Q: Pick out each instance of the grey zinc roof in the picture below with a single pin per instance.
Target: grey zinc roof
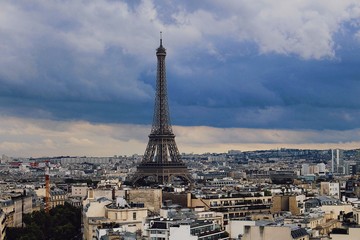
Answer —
(298, 233)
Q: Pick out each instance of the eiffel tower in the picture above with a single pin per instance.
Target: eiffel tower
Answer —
(162, 161)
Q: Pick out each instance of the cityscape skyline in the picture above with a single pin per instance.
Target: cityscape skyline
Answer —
(240, 76)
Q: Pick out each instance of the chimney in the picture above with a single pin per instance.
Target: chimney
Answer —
(113, 194)
(127, 195)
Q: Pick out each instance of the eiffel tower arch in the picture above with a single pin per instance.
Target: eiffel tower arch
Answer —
(162, 161)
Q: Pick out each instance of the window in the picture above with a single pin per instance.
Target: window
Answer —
(134, 215)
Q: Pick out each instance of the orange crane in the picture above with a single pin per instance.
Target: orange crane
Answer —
(47, 187)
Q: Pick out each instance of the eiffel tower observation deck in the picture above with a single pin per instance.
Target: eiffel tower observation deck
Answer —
(162, 162)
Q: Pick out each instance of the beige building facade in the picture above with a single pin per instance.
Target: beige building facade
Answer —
(79, 190)
(272, 233)
(287, 203)
(352, 234)
(105, 213)
(331, 189)
(152, 198)
(232, 207)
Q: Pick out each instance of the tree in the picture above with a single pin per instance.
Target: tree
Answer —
(62, 222)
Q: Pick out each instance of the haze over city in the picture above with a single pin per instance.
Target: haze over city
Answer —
(78, 78)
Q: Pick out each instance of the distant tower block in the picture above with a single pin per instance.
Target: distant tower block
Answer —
(162, 161)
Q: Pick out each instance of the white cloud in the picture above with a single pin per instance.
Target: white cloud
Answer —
(66, 45)
(33, 137)
(303, 27)
(357, 36)
(36, 138)
(96, 50)
(78, 38)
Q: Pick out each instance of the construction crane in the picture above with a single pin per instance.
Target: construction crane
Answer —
(47, 187)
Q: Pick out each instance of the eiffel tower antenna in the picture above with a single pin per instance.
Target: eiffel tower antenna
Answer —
(162, 160)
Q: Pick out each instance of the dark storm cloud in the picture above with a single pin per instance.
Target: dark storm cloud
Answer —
(274, 91)
(229, 65)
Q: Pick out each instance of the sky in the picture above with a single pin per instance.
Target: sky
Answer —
(78, 77)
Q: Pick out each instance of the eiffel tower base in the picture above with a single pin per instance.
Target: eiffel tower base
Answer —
(153, 173)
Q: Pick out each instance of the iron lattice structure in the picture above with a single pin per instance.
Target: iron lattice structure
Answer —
(162, 161)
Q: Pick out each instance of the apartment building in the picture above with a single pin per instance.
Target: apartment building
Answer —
(345, 234)
(79, 190)
(288, 203)
(274, 233)
(331, 189)
(180, 229)
(233, 206)
(104, 212)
